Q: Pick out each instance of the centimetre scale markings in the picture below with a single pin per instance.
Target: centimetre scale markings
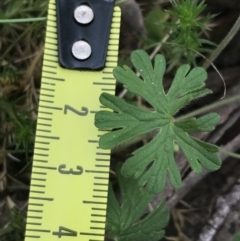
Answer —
(40, 197)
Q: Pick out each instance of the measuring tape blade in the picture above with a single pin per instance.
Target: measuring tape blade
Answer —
(69, 183)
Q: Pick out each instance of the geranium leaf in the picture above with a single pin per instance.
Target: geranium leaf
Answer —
(124, 221)
(152, 162)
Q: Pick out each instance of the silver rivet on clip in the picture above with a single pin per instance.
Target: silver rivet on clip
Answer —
(81, 50)
(83, 14)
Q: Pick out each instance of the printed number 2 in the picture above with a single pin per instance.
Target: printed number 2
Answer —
(62, 231)
(83, 112)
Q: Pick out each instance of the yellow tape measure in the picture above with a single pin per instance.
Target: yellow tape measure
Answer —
(69, 184)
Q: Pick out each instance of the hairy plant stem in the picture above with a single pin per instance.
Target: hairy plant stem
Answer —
(209, 107)
(229, 153)
(223, 44)
(189, 115)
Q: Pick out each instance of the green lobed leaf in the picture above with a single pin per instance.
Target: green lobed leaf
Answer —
(152, 163)
(123, 220)
(236, 237)
(202, 124)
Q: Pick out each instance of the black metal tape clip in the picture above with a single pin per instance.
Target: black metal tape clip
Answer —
(83, 32)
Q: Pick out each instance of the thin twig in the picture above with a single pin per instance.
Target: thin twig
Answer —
(218, 72)
(223, 208)
(223, 44)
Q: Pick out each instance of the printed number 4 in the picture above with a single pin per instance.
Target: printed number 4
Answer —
(83, 112)
(62, 231)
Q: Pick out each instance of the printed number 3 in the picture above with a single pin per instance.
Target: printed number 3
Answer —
(71, 171)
